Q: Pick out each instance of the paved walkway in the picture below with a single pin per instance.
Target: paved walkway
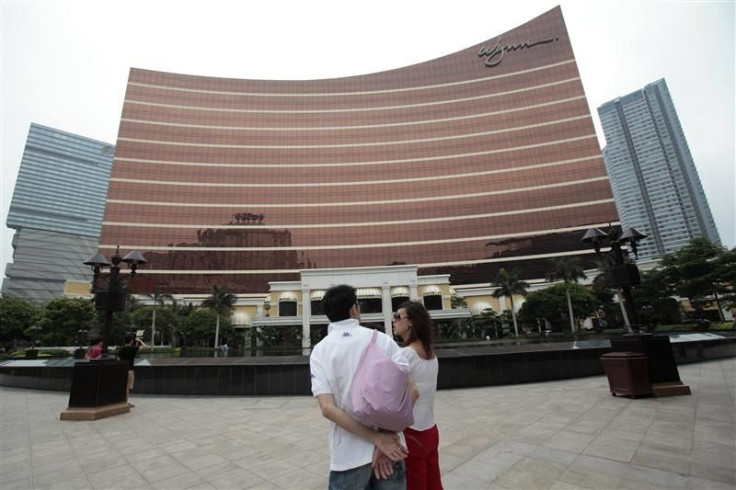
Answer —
(560, 435)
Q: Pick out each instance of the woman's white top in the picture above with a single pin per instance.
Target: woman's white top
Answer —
(424, 375)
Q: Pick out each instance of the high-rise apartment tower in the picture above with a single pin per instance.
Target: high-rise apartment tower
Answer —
(653, 176)
(56, 210)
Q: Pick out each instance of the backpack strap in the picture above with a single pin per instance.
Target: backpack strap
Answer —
(365, 351)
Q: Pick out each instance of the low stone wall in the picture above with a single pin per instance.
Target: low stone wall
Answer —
(460, 367)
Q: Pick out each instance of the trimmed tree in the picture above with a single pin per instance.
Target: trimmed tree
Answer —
(701, 271)
(16, 315)
(62, 318)
(550, 302)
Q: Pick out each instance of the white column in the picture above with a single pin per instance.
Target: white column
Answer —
(306, 316)
(413, 294)
(502, 303)
(386, 307)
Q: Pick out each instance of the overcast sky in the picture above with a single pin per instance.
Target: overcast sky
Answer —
(65, 63)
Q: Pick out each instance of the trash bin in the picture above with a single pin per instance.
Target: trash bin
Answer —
(627, 373)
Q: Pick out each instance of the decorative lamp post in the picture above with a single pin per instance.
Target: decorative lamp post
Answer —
(82, 340)
(112, 298)
(623, 273)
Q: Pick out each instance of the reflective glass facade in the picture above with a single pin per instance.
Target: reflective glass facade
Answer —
(482, 159)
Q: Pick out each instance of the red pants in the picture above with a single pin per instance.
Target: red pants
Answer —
(423, 462)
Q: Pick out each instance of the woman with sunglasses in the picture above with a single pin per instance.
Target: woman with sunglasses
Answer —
(414, 325)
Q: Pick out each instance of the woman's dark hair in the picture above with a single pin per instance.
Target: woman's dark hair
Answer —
(422, 327)
(95, 340)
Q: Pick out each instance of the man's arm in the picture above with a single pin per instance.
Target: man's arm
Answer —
(386, 442)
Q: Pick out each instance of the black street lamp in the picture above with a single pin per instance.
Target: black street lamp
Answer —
(622, 274)
(112, 298)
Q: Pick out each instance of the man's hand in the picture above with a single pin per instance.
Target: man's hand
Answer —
(386, 442)
(389, 444)
(382, 466)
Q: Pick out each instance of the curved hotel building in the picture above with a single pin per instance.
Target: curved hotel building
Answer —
(482, 159)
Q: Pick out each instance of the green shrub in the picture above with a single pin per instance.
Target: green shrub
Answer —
(54, 353)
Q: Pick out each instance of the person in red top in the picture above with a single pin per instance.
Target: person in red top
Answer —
(95, 349)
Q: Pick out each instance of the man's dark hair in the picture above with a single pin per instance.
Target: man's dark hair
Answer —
(129, 338)
(337, 302)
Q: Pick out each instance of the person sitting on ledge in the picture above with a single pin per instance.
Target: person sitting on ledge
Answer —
(95, 348)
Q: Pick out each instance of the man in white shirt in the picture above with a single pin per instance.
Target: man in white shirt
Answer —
(333, 363)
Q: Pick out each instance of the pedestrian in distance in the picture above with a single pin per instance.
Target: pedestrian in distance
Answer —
(127, 353)
(95, 348)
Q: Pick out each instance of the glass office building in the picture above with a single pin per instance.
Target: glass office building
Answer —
(56, 211)
(653, 176)
(482, 159)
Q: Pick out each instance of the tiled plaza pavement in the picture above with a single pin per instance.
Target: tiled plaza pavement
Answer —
(559, 435)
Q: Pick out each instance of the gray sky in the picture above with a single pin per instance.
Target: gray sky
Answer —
(65, 63)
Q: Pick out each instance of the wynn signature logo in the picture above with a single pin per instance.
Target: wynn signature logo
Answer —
(494, 55)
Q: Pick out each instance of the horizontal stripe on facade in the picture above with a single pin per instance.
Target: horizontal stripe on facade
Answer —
(375, 143)
(483, 187)
(447, 222)
(532, 121)
(412, 243)
(373, 108)
(353, 93)
(363, 162)
(551, 133)
(400, 243)
(356, 203)
(359, 183)
(347, 128)
(419, 110)
(352, 224)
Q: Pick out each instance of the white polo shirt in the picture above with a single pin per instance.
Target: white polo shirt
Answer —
(333, 363)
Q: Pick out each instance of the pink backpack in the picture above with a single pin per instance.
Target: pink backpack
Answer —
(380, 394)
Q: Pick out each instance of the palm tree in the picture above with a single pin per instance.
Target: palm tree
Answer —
(158, 298)
(567, 270)
(508, 284)
(222, 302)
